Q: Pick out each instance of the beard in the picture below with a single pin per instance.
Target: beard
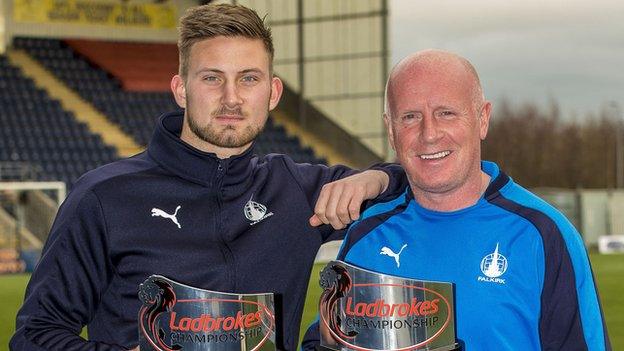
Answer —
(228, 136)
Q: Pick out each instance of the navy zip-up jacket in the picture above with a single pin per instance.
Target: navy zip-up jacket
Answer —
(179, 212)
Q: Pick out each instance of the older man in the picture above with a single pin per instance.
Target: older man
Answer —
(522, 275)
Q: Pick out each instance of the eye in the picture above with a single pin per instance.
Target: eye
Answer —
(447, 113)
(408, 118)
(249, 79)
(211, 79)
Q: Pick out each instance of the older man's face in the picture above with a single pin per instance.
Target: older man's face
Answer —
(436, 127)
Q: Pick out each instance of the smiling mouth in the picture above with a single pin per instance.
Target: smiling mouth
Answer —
(436, 156)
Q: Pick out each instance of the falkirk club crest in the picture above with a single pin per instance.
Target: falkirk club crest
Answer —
(493, 266)
(255, 211)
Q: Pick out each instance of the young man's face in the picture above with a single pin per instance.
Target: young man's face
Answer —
(227, 94)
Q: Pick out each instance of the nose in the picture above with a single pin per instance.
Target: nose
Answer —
(430, 130)
(231, 95)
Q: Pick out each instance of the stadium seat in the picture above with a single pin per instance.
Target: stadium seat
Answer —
(134, 112)
(36, 129)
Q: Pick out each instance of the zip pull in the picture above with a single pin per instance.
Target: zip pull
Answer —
(220, 167)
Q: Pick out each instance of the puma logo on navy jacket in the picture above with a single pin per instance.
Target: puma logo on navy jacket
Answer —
(521, 272)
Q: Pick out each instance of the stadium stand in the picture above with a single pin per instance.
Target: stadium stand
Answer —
(135, 112)
(137, 66)
(37, 134)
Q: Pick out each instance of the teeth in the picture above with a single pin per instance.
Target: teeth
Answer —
(437, 155)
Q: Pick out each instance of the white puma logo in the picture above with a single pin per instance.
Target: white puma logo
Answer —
(157, 212)
(388, 252)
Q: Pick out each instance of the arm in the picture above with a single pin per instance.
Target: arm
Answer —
(571, 315)
(350, 193)
(63, 293)
(339, 202)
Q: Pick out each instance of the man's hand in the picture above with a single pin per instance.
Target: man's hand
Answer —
(339, 202)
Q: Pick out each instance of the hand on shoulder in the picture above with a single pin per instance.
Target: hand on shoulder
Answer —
(340, 201)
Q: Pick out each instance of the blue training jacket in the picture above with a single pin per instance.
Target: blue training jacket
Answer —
(522, 275)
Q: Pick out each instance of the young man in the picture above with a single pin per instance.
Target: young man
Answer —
(521, 273)
(197, 207)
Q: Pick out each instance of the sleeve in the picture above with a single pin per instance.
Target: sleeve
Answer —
(63, 292)
(311, 178)
(571, 317)
(396, 184)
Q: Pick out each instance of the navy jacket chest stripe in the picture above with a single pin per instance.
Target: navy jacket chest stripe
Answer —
(559, 282)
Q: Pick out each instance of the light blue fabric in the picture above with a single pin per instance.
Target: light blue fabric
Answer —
(585, 288)
(493, 312)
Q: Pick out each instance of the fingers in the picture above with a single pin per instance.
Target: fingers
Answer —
(355, 204)
(342, 206)
(338, 205)
(326, 206)
(321, 204)
(331, 209)
(339, 202)
(315, 221)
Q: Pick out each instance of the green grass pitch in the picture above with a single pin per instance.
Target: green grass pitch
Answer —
(609, 272)
(11, 296)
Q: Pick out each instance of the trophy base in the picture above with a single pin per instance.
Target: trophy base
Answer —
(454, 347)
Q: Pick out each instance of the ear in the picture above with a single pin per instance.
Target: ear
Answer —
(276, 92)
(484, 120)
(388, 124)
(179, 90)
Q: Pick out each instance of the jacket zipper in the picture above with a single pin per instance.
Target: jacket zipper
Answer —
(227, 252)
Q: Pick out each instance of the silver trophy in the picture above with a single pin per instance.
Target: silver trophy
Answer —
(177, 317)
(368, 311)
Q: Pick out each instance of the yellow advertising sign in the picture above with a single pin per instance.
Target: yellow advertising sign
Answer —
(107, 13)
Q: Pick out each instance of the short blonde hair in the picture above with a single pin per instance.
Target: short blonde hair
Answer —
(209, 21)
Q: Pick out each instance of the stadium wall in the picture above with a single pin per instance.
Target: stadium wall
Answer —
(332, 53)
(616, 212)
(341, 65)
(3, 32)
(140, 20)
(594, 212)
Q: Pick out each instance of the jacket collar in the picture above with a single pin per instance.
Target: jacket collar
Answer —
(180, 158)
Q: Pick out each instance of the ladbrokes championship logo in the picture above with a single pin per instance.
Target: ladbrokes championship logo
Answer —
(178, 317)
(363, 310)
